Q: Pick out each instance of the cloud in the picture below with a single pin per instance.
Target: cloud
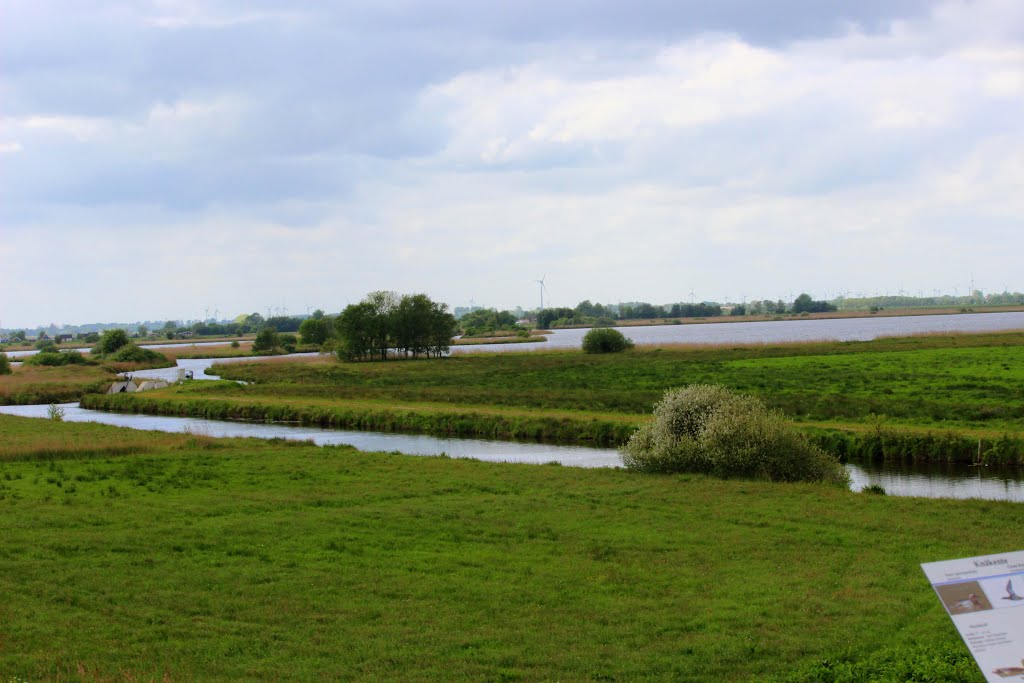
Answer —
(631, 152)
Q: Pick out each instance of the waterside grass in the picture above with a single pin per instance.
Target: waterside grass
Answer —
(287, 561)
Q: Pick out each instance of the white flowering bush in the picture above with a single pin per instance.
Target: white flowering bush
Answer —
(709, 429)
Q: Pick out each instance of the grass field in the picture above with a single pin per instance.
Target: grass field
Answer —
(179, 557)
(974, 381)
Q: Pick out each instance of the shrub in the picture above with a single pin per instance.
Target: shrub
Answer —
(131, 353)
(55, 358)
(5, 365)
(605, 340)
(711, 430)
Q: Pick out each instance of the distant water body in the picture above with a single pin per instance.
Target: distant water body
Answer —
(781, 331)
(766, 332)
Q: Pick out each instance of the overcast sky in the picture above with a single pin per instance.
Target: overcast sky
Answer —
(163, 158)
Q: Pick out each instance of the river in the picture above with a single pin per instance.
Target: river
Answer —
(931, 482)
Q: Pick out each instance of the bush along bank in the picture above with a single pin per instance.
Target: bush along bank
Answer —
(469, 424)
(709, 429)
(898, 445)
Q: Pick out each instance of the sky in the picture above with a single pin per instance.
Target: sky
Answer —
(168, 159)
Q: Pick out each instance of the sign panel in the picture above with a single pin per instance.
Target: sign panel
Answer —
(985, 599)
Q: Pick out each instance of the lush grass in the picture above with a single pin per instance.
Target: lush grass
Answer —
(228, 560)
(966, 381)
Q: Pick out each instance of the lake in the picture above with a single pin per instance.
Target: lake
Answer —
(781, 331)
(836, 329)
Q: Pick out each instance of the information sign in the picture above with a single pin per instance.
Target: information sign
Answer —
(985, 599)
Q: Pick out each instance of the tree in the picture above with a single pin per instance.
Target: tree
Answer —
(411, 324)
(111, 340)
(804, 304)
(253, 322)
(288, 342)
(283, 323)
(353, 330)
(266, 341)
(442, 329)
(315, 330)
(547, 316)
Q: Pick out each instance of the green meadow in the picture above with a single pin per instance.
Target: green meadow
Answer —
(972, 381)
(138, 556)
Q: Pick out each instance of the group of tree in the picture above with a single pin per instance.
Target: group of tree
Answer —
(805, 304)
(482, 321)
(600, 315)
(385, 324)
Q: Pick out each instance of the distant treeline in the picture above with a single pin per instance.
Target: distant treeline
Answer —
(939, 301)
(479, 320)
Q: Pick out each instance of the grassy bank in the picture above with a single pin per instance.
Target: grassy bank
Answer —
(228, 560)
(229, 401)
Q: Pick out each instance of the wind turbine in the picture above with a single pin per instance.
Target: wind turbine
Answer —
(542, 287)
